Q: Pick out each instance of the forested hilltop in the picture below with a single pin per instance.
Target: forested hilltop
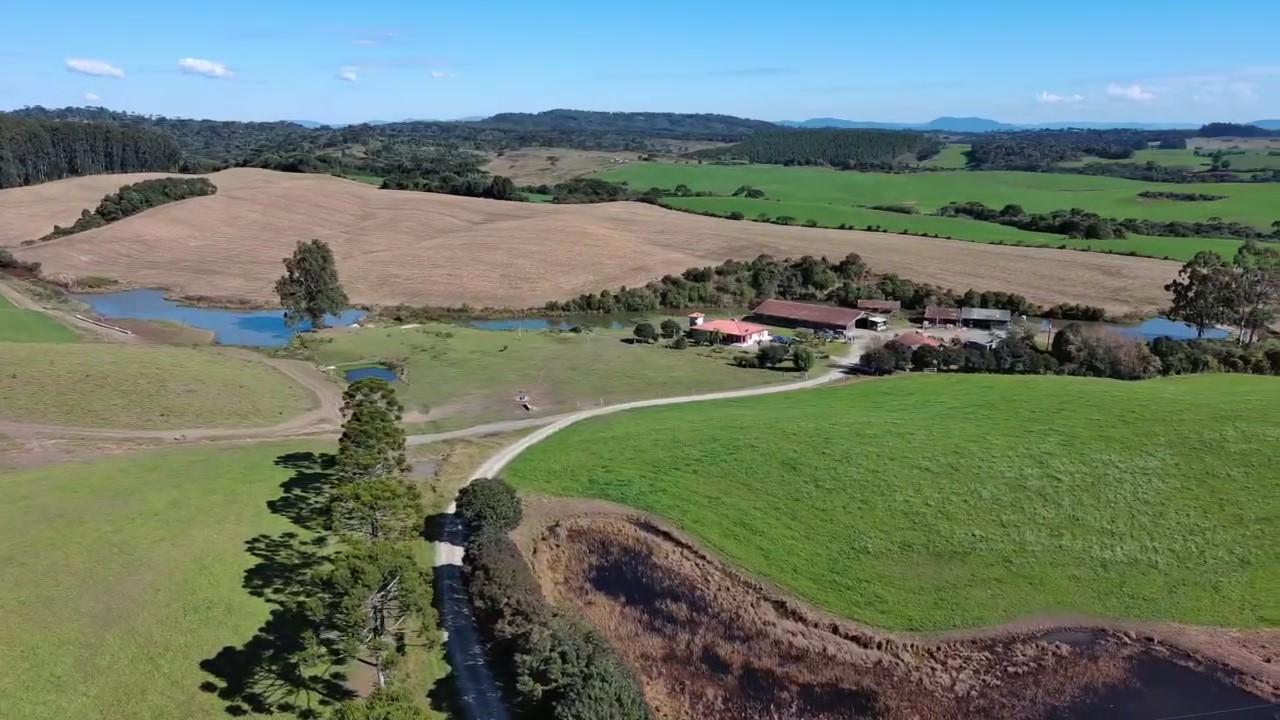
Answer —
(34, 150)
(392, 148)
(844, 149)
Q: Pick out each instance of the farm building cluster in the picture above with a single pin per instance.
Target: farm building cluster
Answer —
(837, 322)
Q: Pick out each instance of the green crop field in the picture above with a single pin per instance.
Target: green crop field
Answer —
(467, 376)
(846, 196)
(117, 577)
(141, 387)
(951, 156)
(935, 502)
(1241, 160)
(831, 215)
(19, 325)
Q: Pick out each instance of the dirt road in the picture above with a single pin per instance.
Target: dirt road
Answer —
(477, 689)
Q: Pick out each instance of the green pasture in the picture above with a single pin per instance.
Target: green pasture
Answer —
(951, 157)
(1241, 160)
(460, 376)
(832, 215)
(956, 501)
(1257, 204)
(31, 326)
(142, 387)
(119, 576)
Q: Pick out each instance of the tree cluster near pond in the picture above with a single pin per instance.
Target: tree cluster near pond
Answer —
(1091, 515)
(309, 289)
(1244, 292)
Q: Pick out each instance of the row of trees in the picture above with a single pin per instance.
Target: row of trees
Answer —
(1041, 149)
(1079, 223)
(133, 199)
(1244, 292)
(845, 149)
(1077, 350)
(740, 284)
(555, 666)
(37, 150)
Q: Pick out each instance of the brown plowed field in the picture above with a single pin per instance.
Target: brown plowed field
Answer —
(30, 212)
(710, 644)
(442, 250)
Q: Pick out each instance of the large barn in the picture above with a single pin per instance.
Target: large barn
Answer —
(788, 313)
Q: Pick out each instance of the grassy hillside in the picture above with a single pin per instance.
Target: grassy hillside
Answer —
(118, 577)
(466, 376)
(936, 502)
(141, 387)
(30, 326)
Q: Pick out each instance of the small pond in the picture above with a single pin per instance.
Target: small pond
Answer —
(1159, 688)
(258, 328)
(1152, 328)
(380, 372)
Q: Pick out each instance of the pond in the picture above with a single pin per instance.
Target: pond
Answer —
(257, 328)
(1150, 329)
(380, 372)
(1160, 688)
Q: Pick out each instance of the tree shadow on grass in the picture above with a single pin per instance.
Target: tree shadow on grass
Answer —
(282, 668)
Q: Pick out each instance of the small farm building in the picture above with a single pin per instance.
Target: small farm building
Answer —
(732, 332)
(989, 318)
(914, 339)
(808, 315)
(939, 315)
(880, 306)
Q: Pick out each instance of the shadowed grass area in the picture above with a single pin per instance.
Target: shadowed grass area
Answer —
(936, 502)
(30, 326)
(117, 577)
(142, 387)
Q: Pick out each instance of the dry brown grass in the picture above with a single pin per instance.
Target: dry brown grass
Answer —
(531, 166)
(424, 248)
(29, 212)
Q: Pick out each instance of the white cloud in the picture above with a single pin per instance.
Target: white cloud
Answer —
(440, 74)
(1132, 93)
(208, 68)
(349, 73)
(1047, 98)
(91, 97)
(94, 67)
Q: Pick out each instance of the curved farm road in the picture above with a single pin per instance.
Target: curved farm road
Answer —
(480, 697)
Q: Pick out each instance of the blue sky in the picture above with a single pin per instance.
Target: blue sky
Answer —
(1135, 60)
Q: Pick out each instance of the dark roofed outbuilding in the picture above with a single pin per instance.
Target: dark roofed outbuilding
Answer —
(939, 315)
(880, 305)
(808, 315)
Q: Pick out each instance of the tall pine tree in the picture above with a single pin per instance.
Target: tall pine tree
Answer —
(309, 288)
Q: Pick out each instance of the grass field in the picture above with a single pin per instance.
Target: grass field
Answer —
(832, 215)
(118, 577)
(935, 502)
(464, 376)
(951, 156)
(832, 197)
(141, 387)
(30, 326)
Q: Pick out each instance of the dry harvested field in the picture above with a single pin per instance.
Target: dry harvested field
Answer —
(30, 212)
(400, 246)
(532, 166)
(709, 644)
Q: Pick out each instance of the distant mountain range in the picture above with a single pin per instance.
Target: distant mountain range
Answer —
(978, 125)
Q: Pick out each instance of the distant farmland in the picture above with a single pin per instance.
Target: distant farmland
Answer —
(422, 248)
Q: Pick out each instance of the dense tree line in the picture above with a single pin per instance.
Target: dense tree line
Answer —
(555, 667)
(133, 199)
(1154, 172)
(1078, 223)
(741, 284)
(34, 150)
(1040, 149)
(1222, 129)
(1076, 350)
(1180, 196)
(845, 149)
(686, 126)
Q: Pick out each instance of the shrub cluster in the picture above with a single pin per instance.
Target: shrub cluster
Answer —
(133, 199)
(1181, 357)
(555, 667)
(902, 209)
(740, 284)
